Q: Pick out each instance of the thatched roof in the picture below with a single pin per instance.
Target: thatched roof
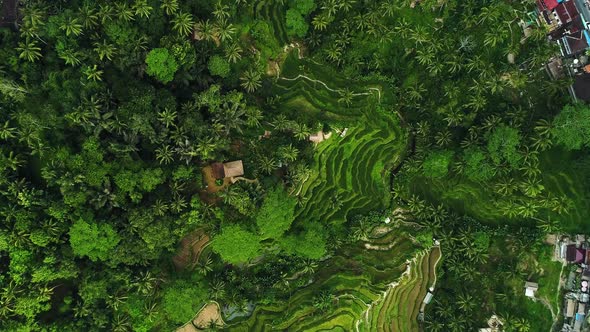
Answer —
(233, 168)
(217, 170)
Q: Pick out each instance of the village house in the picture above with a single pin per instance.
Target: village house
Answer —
(575, 252)
(231, 170)
(495, 324)
(568, 23)
(530, 288)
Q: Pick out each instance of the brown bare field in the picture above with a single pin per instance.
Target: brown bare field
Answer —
(190, 249)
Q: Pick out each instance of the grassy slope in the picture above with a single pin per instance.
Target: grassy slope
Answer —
(477, 199)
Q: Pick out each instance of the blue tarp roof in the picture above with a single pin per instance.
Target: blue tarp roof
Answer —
(580, 316)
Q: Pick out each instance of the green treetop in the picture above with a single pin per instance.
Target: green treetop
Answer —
(161, 64)
(571, 127)
(218, 66)
(93, 240)
(236, 245)
(276, 214)
(436, 164)
(503, 145)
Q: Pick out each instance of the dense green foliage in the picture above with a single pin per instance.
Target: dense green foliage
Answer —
(112, 113)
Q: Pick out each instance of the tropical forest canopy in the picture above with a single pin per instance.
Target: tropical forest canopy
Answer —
(114, 114)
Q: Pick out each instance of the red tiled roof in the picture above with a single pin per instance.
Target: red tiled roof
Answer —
(567, 12)
(576, 41)
(547, 4)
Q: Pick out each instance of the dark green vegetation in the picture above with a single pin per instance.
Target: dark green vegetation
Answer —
(109, 110)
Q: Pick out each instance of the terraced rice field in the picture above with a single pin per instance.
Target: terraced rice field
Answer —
(274, 13)
(398, 310)
(355, 278)
(354, 168)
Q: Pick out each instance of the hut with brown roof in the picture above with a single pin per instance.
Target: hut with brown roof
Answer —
(228, 170)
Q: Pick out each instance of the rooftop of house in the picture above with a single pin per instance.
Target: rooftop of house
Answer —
(581, 87)
(576, 42)
(574, 254)
(547, 4)
(571, 308)
(530, 288)
(233, 168)
(566, 12)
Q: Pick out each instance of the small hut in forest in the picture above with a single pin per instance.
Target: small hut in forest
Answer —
(228, 170)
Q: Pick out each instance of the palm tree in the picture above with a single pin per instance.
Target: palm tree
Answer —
(144, 283)
(217, 290)
(346, 5)
(549, 226)
(266, 164)
(288, 153)
(167, 117)
(6, 131)
(121, 323)
(466, 302)
(205, 30)
(233, 52)
(251, 80)
(225, 30)
(301, 131)
(309, 266)
(142, 9)
(123, 11)
(105, 13)
(165, 155)
(532, 187)
(71, 57)
(320, 22)
(29, 50)
(206, 147)
(544, 128)
(253, 116)
(443, 138)
(170, 6)
(204, 265)
(88, 16)
(221, 11)
(527, 209)
(505, 187)
(160, 208)
(345, 96)
(93, 73)
(71, 26)
(104, 50)
(183, 23)
(334, 53)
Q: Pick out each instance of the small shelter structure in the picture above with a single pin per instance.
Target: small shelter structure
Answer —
(570, 308)
(428, 297)
(530, 288)
(228, 170)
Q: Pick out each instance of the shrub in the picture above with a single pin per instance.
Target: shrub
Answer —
(218, 66)
(161, 64)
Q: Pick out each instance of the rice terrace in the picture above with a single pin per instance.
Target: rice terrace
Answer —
(295, 165)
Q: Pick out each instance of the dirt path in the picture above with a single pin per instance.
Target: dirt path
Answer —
(209, 314)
